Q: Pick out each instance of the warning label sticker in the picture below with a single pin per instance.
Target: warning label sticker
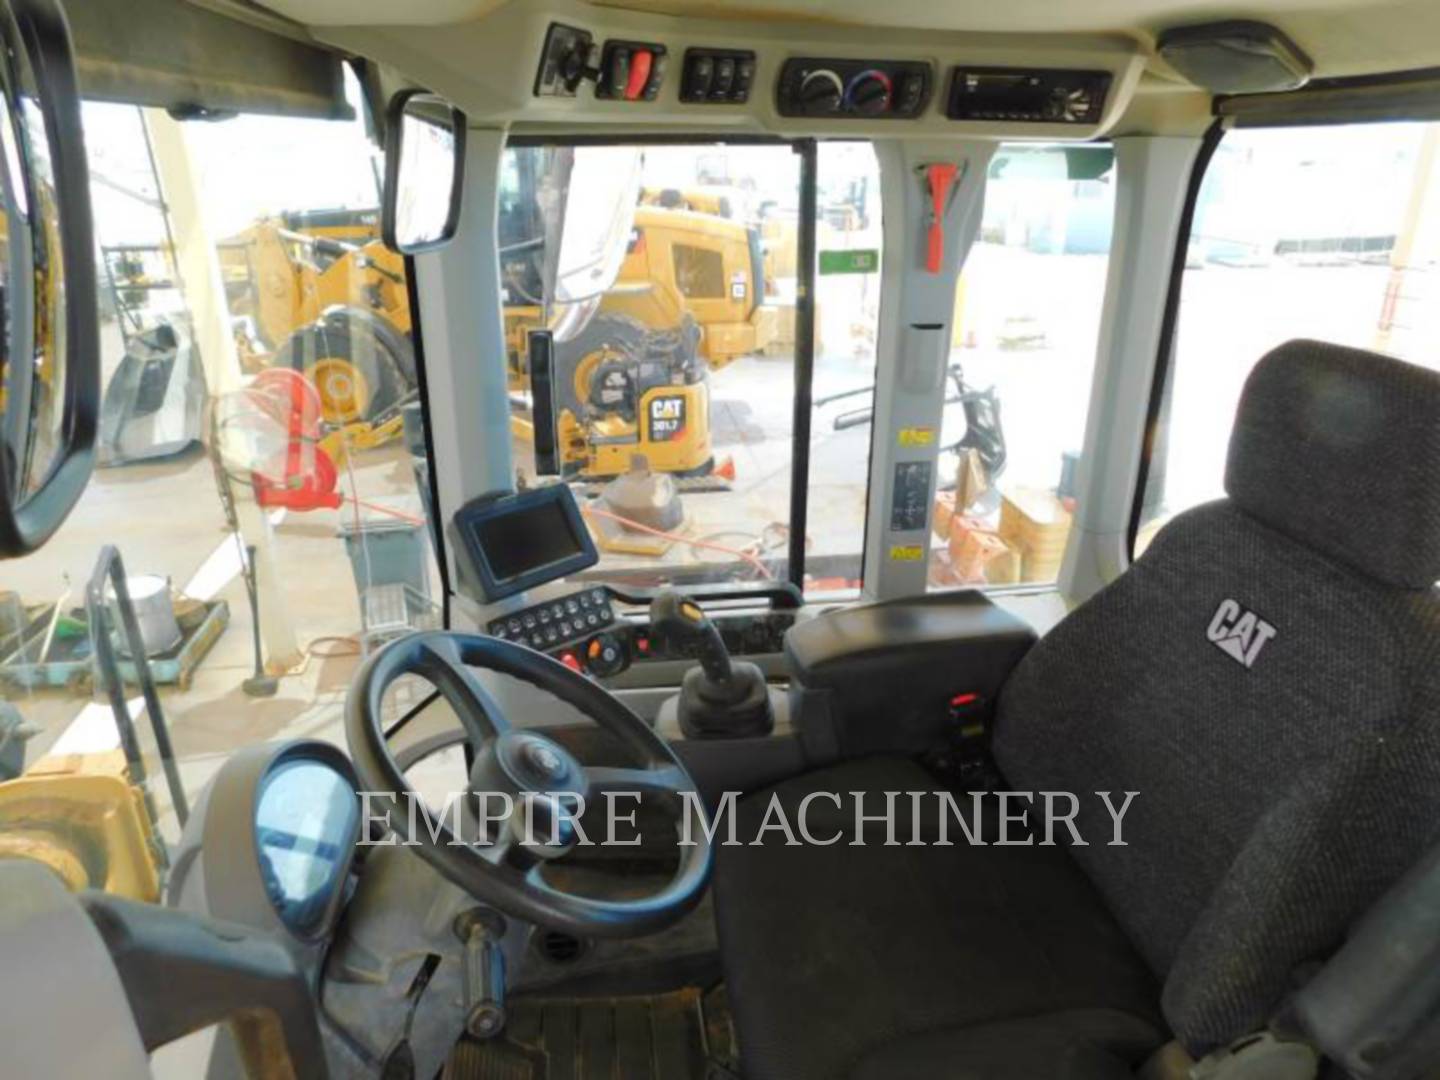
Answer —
(916, 436)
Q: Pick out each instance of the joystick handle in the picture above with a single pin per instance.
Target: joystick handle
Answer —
(681, 622)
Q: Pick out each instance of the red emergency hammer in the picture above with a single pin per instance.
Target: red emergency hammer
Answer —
(940, 179)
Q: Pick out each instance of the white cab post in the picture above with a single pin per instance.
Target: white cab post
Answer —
(916, 309)
(462, 327)
(1152, 177)
(197, 262)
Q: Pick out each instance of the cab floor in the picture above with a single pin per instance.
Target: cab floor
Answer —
(683, 1034)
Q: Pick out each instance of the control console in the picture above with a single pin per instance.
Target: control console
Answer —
(587, 631)
(854, 89)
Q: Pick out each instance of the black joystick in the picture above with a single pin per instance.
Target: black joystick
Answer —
(720, 698)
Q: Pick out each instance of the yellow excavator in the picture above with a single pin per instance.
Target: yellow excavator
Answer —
(688, 294)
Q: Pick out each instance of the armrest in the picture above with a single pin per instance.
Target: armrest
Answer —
(887, 677)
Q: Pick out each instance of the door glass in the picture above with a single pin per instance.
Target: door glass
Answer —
(847, 323)
(1025, 329)
(259, 412)
(1319, 232)
(666, 274)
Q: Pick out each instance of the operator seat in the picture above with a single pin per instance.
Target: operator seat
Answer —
(1281, 786)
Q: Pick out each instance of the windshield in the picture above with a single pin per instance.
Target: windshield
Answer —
(668, 277)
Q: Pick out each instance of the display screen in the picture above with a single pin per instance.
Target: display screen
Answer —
(306, 825)
(1023, 93)
(528, 539)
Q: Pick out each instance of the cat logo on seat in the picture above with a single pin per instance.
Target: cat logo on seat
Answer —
(1239, 633)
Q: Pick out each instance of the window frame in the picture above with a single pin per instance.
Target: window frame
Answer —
(1335, 102)
(1156, 418)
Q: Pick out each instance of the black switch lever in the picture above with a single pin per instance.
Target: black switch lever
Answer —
(681, 623)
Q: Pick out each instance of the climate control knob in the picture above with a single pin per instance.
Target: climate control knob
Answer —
(821, 91)
(869, 92)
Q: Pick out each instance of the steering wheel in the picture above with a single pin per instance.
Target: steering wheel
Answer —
(540, 776)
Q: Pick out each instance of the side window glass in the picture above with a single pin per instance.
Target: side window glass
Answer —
(1320, 232)
(260, 437)
(849, 246)
(1027, 319)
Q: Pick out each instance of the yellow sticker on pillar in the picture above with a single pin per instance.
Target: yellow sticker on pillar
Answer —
(906, 552)
(916, 436)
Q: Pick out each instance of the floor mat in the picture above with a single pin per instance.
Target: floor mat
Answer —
(675, 1036)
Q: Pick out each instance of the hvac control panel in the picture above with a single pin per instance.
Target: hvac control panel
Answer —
(870, 89)
(1039, 97)
(587, 633)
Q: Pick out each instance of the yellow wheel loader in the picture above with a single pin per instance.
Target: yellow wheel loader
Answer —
(326, 298)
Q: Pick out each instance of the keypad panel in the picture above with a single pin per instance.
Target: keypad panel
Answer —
(549, 625)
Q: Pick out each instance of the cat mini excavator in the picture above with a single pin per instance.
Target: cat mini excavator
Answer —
(684, 293)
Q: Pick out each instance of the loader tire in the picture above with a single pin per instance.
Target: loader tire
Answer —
(361, 365)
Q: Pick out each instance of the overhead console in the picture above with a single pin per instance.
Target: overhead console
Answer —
(1027, 96)
(560, 66)
(892, 89)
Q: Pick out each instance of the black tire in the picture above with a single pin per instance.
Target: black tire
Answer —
(380, 353)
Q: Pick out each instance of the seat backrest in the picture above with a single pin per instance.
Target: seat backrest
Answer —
(1267, 679)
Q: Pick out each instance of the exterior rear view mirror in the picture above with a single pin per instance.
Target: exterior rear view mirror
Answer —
(424, 171)
(49, 348)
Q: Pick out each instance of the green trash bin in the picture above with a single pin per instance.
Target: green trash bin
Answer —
(387, 551)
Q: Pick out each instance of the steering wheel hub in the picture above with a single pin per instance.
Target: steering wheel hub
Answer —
(519, 761)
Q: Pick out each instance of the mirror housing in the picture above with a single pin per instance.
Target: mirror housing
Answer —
(47, 221)
(418, 213)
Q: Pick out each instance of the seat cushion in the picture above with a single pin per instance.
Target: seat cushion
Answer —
(836, 956)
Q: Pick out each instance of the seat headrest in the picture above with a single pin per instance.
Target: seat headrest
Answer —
(1340, 450)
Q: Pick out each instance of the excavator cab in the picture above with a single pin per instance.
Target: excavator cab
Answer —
(581, 539)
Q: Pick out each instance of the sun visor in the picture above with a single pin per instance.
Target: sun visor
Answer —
(174, 55)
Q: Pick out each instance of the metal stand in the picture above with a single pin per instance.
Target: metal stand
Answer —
(259, 684)
(110, 570)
